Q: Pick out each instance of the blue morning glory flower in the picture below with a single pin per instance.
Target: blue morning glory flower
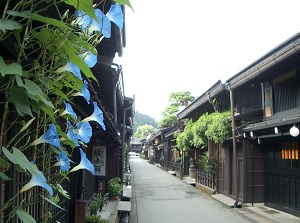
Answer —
(37, 180)
(89, 58)
(83, 20)
(97, 116)
(63, 161)
(71, 67)
(101, 25)
(50, 136)
(84, 92)
(69, 110)
(115, 14)
(84, 164)
(72, 135)
(84, 131)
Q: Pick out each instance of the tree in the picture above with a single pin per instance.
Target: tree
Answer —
(214, 126)
(176, 100)
(140, 119)
(144, 130)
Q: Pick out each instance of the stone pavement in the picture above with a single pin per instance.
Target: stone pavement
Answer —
(258, 212)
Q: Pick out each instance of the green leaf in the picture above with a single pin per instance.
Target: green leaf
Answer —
(24, 14)
(67, 141)
(3, 177)
(17, 34)
(34, 90)
(51, 202)
(80, 63)
(4, 165)
(27, 124)
(37, 106)
(124, 2)
(59, 93)
(18, 158)
(20, 100)
(24, 216)
(43, 35)
(50, 21)
(72, 82)
(12, 68)
(84, 5)
(8, 24)
(62, 191)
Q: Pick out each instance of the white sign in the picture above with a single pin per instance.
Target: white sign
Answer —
(99, 160)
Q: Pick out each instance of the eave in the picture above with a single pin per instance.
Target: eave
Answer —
(212, 92)
(278, 54)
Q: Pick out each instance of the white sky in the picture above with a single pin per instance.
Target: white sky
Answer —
(174, 46)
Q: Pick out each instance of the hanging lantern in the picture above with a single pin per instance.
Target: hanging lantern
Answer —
(294, 131)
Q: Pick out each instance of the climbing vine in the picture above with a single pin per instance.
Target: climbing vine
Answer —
(46, 68)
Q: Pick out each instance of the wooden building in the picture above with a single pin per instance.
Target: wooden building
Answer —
(259, 163)
(266, 98)
(118, 111)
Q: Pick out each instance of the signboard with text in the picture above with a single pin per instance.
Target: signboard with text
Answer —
(99, 160)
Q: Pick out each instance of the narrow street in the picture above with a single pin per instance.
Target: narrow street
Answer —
(159, 197)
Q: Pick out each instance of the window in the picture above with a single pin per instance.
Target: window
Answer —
(280, 94)
(289, 151)
(267, 99)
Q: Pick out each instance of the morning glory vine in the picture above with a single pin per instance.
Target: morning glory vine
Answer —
(51, 66)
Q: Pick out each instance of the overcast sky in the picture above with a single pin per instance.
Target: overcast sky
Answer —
(174, 46)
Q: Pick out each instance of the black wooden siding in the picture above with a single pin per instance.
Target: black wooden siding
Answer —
(282, 176)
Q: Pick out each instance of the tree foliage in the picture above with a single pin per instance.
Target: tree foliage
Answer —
(181, 98)
(176, 99)
(140, 119)
(184, 139)
(144, 130)
(214, 126)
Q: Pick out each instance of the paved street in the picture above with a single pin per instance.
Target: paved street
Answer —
(159, 197)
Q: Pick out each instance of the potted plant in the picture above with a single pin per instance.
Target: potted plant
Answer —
(93, 218)
(97, 202)
(115, 188)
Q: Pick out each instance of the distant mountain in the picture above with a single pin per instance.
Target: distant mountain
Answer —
(140, 119)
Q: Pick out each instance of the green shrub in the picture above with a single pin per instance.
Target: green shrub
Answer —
(115, 187)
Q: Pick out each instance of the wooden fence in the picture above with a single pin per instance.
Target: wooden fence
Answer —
(206, 179)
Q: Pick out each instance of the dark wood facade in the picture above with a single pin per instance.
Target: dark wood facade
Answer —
(260, 162)
(265, 173)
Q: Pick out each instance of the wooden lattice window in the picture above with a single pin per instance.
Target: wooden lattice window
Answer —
(289, 151)
(280, 94)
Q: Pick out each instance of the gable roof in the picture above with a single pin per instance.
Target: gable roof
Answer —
(278, 54)
(212, 91)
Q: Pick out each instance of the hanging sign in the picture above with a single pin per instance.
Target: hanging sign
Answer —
(99, 160)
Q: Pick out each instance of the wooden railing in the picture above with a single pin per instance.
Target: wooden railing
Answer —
(206, 179)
